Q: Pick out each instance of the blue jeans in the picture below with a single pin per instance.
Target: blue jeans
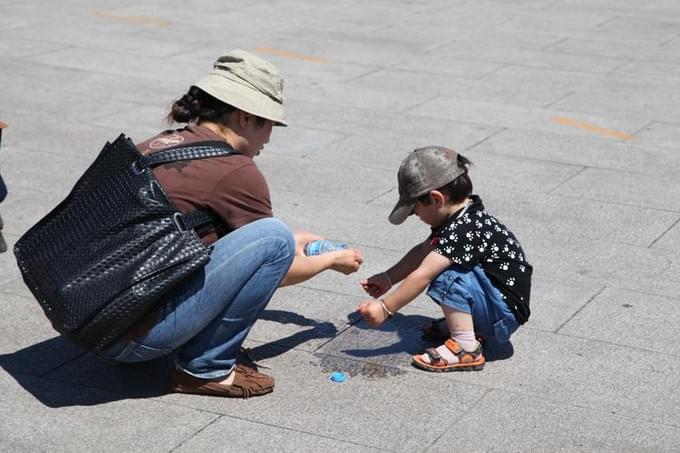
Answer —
(470, 291)
(207, 318)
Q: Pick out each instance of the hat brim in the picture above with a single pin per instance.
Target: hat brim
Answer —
(401, 211)
(242, 97)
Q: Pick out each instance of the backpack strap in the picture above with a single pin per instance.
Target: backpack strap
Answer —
(200, 150)
(192, 151)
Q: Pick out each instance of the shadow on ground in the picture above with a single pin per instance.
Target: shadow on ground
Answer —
(58, 374)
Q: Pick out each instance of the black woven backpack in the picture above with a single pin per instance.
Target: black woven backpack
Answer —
(104, 257)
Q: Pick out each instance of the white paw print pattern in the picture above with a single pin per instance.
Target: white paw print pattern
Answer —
(488, 234)
(456, 260)
(468, 247)
(504, 266)
(467, 257)
(487, 222)
(448, 250)
(522, 268)
(495, 248)
(511, 241)
(478, 224)
(511, 254)
(453, 237)
(469, 235)
(510, 281)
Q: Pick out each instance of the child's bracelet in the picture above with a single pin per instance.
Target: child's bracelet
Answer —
(389, 280)
(385, 309)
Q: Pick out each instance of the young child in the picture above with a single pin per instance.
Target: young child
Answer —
(474, 266)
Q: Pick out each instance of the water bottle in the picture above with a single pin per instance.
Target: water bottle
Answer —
(322, 246)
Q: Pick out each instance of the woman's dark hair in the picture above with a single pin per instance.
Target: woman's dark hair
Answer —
(458, 189)
(197, 105)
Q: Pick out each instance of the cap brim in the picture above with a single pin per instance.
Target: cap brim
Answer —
(401, 211)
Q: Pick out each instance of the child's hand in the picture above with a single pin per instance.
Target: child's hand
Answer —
(346, 261)
(372, 312)
(376, 285)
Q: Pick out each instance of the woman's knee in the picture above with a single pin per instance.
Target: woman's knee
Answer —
(274, 228)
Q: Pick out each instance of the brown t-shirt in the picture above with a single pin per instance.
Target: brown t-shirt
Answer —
(231, 186)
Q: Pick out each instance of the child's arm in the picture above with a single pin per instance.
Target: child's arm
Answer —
(375, 312)
(378, 284)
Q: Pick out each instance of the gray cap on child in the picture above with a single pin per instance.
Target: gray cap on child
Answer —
(425, 169)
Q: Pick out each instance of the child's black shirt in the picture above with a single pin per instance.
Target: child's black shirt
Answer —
(472, 237)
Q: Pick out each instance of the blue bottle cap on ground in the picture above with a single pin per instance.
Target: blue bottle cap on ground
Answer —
(338, 377)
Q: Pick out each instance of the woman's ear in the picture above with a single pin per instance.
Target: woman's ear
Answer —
(438, 198)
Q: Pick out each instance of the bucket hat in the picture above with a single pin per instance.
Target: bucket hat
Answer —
(247, 82)
(423, 170)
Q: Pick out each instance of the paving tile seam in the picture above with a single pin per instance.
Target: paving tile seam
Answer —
(663, 234)
(609, 203)
(196, 433)
(561, 98)
(541, 397)
(501, 388)
(608, 343)
(537, 159)
(403, 116)
(408, 108)
(498, 131)
(568, 178)
(503, 66)
(593, 297)
(271, 425)
(574, 277)
(623, 65)
(371, 200)
(461, 416)
(548, 113)
(595, 55)
(647, 148)
(670, 40)
(47, 373)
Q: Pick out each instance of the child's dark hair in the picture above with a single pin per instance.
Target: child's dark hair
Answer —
(458, 189)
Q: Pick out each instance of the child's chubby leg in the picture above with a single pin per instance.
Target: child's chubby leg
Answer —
(460, 352)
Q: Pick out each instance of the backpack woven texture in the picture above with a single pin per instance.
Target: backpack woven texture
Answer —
(104, 257)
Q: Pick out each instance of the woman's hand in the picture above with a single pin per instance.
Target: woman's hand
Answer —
(376, 285)
(346, 261)
(372, 312)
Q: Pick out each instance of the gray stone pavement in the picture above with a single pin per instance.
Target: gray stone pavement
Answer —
(570, 110)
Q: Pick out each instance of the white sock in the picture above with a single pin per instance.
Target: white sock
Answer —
(466, 339)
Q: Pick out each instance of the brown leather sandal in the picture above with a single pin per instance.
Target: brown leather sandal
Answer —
(247, 382)
(467, 360)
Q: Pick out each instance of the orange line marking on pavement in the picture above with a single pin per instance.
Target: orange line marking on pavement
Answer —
(291, 55)
(143, 20)
(564, 121)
